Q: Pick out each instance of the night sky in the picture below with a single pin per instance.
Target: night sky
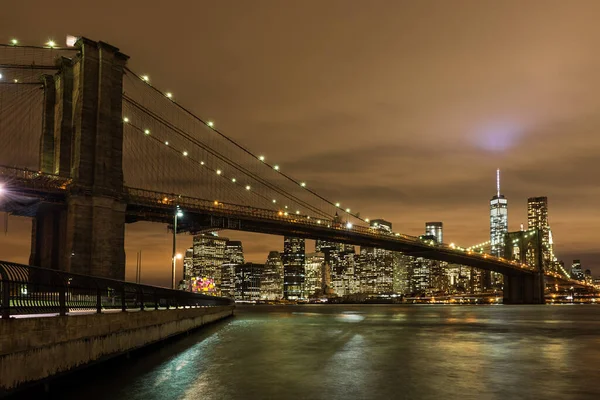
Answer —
(401, 109)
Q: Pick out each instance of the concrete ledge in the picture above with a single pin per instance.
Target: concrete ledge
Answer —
(36, 348)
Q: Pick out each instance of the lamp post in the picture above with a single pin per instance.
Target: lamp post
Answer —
(178, 214)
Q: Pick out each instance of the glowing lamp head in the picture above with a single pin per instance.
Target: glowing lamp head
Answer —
(297, 212)
(247, 187)
(233, 180)
(1, 188)
(51, 43)
(349, 225)
(303, 184)
(261, 158)
(14, 42)
(219, 172)
(167, 143)
(276, 167)
(185, 153)
(169, 95)
(347, 210)
(145, 78)
(125, 119)
(147, 131)
(274, 201)
(180, 213)
(210, 123)
(179, 256)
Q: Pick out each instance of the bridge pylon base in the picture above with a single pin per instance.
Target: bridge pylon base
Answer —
(524, 289)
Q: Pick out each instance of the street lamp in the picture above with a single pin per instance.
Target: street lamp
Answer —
(178, 214)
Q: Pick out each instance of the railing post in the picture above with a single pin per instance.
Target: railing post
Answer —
(62, 301)
(5, 299)
(123, 303)
(141, 299)
(98, 301)
(155, 300)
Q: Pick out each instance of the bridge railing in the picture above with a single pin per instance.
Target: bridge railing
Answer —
(26, 290)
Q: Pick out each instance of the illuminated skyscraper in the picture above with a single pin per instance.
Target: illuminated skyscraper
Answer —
(209, 256)
(537, 217)
(313, 282)
(234, 256)
(435, 229)
(498, 220)
(247, 281)
(271, 286)
(293, 267)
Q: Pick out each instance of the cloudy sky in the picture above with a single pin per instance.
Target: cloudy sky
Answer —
(403, 109)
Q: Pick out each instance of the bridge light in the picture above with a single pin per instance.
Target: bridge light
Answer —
(51, 43)
(169, 95)
(297, 212)
(210, 123)
(14, 42)
(247, 187)
(397, 234)
(337, 204)
(347, 210)
(219, 172)
(276, 167)
(180, 213)
(274, 201)
(285, 213)
(0, 76)
(201, 162)
(233, 180)
(280, 213)
(261, 158)
(125, 119)
(285, 206)
(303, 184)
(147, 131)
(367, 220)
(308, 217)
(318, 221)
(1, 188)
(216, 203)
(179, 256)
(185, 153)
(167, 143)
(145, 78)
(16, 81)
(349, 225)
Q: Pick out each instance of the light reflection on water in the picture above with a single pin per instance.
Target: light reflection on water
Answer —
(370, 352)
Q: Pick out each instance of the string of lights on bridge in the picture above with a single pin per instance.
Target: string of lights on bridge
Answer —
(261, 158)
(218, 171)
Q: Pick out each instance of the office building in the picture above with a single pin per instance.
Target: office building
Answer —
(435, 229)
(537, 218)
(247, 281)
(208, 257)
(293, 259)
(498, 220)
(234, 256)
(271, 286)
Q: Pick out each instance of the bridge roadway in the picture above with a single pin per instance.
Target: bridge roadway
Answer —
(30, 188)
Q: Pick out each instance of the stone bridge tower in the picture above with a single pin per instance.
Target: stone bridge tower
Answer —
(82, 139)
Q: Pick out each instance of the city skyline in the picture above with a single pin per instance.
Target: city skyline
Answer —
(498, 113)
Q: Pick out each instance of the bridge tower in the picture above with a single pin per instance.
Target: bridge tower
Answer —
(520, 288)
(82, 139)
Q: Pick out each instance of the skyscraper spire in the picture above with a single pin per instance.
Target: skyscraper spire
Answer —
(498, 182)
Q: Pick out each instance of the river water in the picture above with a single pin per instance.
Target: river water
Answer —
(366, 352)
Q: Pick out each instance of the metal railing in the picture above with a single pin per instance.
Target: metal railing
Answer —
(26, 290)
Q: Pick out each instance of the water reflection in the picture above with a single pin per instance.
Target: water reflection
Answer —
(370, 352)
